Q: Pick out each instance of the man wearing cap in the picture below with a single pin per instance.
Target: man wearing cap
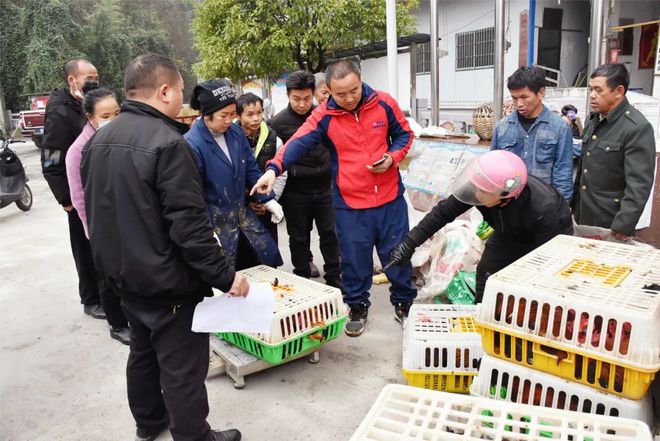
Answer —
(228, 168)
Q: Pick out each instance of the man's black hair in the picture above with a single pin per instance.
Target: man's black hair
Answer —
(247, 99)
(527, 76)
(615, 73)
(148, 72)
(341, 69)
(300, 80)
(93, 96)
(71, 67)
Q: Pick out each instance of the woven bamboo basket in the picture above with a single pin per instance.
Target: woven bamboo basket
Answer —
(483, 121)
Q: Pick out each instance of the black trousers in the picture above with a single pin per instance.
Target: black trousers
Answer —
(93, 290)
(301, 210)
(82, 255)
(112, 306)
(166, 369)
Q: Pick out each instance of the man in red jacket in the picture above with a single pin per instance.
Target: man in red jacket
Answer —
(367, 136)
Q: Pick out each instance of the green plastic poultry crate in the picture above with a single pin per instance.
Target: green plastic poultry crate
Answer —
(307, 314)
(287, 350)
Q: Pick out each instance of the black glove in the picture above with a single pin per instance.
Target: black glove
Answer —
(401, 254)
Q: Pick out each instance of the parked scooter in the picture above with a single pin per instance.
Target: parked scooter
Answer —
(13, 180)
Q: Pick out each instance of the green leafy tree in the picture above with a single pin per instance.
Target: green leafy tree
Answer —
(52, 39)
(173, 18)
(12, 41)
(108, 44)
(37, 37)
(238, 38)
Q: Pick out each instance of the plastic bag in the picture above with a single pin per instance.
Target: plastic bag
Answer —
(484, 231)
(461, 250)
(461, 289)
(599, 233)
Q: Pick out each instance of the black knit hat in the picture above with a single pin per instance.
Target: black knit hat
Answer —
(211, 96)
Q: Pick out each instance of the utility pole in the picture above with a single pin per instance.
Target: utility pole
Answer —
(435, 66)
(597, 39)
(498, 91)
(392, 77)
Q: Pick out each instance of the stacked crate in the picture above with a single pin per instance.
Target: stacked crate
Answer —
(307, 315)
(441, 347)
(577, 325)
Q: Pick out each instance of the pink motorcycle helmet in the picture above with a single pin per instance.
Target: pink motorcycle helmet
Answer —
(489, 178)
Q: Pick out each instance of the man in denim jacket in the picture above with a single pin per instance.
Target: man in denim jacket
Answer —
(542, 139)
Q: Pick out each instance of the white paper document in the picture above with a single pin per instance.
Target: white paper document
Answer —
(224, 313)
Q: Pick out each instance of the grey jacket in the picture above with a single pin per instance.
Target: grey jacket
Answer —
(615, 174)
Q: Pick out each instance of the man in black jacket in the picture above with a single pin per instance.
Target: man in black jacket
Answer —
(152, 243)
(307, 196)
(64, 120)
(524, 211)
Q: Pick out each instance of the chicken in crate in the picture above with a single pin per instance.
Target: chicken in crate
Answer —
(307, 315)
(441, 347)
(501, 380)
(584, 310)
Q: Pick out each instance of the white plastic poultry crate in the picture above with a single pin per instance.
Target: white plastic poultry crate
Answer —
(501, 380)
(585, 310)
(307, 314)
(441, 347)
(404, 413)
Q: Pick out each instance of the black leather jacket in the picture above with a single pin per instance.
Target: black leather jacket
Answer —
(535, 217)
(64, 120)
(149, 230)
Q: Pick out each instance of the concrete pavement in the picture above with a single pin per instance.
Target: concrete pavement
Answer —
(62, 377)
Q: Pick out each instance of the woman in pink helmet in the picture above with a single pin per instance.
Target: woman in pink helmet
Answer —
(524, 211)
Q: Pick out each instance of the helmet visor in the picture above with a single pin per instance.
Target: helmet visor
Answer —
(473, 187)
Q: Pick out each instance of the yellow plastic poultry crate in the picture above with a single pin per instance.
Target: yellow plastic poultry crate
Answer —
(441, 347)
(584, 310)
(501, 380)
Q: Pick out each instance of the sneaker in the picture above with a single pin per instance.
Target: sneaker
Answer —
(225, 435)
(149, 435)
(357, 318)
(401, 311)
(314, 270)
(95, 311)
(122, 335)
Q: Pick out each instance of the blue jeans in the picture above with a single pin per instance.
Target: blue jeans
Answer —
(359, 231)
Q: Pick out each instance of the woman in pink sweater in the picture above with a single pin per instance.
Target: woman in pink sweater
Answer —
(101, 107)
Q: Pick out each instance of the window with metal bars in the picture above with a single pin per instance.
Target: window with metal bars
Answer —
(475, 49)
(423, 58)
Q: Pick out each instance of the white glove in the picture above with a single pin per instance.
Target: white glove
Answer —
(276, 210)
